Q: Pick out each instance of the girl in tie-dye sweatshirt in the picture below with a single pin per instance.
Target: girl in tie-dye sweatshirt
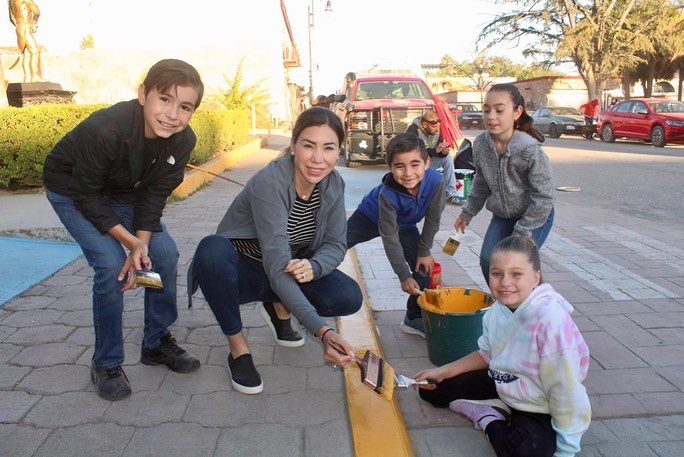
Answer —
(523, 387)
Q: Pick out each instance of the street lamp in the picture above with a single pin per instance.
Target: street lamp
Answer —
(310, 10)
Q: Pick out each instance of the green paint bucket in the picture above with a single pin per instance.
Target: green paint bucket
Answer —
(464, 182)
(453, 321)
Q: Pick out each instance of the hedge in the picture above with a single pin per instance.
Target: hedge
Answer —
(28, 134)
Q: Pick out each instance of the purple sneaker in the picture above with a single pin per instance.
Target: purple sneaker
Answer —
(481, 412)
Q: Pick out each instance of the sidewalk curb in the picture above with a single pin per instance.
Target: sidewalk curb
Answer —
(195, 179)
(377, 425)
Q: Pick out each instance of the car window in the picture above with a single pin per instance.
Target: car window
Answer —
(624, 107)
(564, 111)
(392, 89)
(667, 107)
(638, 106)
(543, 112)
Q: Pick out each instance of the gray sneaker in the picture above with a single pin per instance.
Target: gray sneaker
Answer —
(452, 200)
(413, 326)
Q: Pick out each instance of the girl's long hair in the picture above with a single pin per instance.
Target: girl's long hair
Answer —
(525, 123)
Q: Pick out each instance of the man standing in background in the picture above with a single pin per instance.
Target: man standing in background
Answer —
(590, 111)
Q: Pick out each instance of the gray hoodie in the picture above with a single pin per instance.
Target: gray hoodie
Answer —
(515, 185)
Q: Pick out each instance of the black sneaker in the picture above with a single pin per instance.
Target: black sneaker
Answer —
(112, 383)
(243, 375)
(282, 329)
(170, 354)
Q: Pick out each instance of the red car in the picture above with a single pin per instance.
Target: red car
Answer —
(657, 120)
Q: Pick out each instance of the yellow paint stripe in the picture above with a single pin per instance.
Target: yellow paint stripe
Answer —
(377, 424)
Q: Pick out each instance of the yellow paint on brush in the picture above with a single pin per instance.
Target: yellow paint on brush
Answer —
(377, 424)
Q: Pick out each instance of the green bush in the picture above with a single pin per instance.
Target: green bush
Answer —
(218, 131)
(28, 134)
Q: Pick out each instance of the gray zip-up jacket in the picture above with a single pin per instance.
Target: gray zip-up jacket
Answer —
(515, 185)
(260, 211)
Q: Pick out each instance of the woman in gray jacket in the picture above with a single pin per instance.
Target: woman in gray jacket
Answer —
(513, 176)
(280, 242)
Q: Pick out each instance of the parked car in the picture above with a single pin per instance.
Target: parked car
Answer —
(555, 121)
(374, 109)
(657, 120)
(468, 115)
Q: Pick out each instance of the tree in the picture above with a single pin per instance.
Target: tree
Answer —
(248, 98)
(667, 37)
(599, 37)
(494, 66)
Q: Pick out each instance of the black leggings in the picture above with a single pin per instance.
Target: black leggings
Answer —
(525, 434)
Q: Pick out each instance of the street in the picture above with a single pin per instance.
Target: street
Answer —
(631, 177)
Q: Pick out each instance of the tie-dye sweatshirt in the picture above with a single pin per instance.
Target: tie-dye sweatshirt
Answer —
(538, 360)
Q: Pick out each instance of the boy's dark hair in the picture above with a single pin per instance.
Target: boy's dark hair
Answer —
(405, 142)
(524, 245)
(173, 72)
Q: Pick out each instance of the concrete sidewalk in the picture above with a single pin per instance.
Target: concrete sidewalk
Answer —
(624, 277)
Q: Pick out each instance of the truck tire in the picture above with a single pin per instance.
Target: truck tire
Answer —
(350, 163)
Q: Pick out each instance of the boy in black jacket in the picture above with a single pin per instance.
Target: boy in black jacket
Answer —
(108, 180)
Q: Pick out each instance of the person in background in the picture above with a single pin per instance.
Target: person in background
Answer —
(426, 127)
(409, 193)
(523, 387)
(108, 180)
(590, 111)
(280, 242)
(513, 178)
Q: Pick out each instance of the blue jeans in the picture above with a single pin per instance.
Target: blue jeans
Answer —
(106, 256)
(361, 229)
(500, 228)
(229, 279)
(445, 165)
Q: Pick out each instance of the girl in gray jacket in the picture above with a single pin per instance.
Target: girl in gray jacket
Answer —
(513, 176)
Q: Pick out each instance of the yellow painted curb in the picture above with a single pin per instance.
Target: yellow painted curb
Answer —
(377, 425)
(195, 179)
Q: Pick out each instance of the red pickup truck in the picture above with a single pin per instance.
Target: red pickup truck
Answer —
(375, 108)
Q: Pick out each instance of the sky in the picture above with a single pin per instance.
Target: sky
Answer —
(354, 36)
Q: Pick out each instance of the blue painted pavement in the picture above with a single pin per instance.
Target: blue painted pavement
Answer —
(25, 262)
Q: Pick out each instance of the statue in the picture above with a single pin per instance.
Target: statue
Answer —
(24, 15)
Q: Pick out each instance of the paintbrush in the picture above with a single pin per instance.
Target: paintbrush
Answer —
(375, 372)
(148, 278)
(405, 381)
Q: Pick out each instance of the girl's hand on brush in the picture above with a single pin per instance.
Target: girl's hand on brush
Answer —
(433, 374)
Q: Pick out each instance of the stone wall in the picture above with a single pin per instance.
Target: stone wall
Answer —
(109, 76)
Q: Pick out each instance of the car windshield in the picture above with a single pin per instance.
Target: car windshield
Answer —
(564, 111)
(667, 107)
(392, 89)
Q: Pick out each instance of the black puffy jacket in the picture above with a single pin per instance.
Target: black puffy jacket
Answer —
(101, 160)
